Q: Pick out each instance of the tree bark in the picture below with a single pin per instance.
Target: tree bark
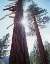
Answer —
(43, 56)
(19, 51)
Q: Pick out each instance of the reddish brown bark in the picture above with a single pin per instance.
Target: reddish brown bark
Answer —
(43, 56)
(19, 51)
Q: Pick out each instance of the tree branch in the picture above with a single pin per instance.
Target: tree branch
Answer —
(11, 16)
(9, 26)
(7, 15)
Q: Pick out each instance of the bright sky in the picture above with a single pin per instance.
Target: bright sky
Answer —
(45, 33)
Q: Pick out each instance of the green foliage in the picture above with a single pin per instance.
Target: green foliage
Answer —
(41, 17)
(4, 44)
(2, 63)
(47, 49)
(35, 56)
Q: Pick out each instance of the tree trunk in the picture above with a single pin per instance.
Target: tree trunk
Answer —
(43, 57)
(19, 51)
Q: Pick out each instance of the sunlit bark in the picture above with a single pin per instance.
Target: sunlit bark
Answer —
(19, 51)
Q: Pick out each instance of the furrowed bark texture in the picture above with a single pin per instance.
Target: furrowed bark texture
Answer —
(19, 51)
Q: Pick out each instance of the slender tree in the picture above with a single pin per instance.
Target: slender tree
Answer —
(33, 12)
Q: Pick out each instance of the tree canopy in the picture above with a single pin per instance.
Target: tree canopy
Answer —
(4, 44)
(41, 17)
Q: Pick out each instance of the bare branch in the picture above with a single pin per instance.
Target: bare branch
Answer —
(12, 8)
(11, 16)
(7, 15)
(9, 26)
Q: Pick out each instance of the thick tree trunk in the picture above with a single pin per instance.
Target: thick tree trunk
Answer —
(43, 56)
(19, 51)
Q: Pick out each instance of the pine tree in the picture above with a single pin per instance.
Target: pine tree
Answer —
(19, 51)
(33, 12)
(4, 44)
(34, 55)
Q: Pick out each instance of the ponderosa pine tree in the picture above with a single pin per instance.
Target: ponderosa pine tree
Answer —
(19, 51)
(33, 12)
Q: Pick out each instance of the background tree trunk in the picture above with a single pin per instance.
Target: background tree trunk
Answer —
(19, 51)
(43, 56)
